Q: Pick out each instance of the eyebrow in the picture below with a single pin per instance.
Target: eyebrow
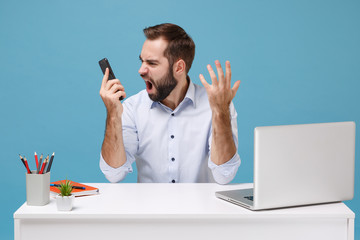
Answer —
(148, 60)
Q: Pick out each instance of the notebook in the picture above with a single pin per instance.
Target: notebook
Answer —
(89, 190)
(298, 165)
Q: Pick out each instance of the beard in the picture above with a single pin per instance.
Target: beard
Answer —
(164, 86)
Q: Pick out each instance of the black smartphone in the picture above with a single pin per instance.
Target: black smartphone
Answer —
(104, 63)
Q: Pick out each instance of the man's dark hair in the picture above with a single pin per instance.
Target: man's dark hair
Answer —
(181, 46)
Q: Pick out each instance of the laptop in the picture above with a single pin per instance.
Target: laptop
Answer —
(297, 165)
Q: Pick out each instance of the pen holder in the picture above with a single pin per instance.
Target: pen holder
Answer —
(37, 189)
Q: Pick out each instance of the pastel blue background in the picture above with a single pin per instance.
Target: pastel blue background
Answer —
(298, 62)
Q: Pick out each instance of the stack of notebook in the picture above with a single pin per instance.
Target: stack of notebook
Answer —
(77, 191)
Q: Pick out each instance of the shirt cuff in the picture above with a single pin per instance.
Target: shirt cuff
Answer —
(225, 173)
(115, 174)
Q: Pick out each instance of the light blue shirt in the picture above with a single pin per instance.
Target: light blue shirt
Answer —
(171, 146)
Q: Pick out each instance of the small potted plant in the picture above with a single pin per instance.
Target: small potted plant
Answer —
(64, 201)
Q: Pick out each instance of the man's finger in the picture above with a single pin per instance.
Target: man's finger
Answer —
(203, 81)
(116, 87)
(105, 78)
(235, 88)
(220, 71)
(120, 95)
(212, 75)
(228, 74)
(111, 83)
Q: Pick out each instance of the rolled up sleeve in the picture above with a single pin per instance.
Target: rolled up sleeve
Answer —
(115, 174)
(225, 173)
(130, 145)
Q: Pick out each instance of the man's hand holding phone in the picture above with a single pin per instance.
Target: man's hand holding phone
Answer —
(111, 92)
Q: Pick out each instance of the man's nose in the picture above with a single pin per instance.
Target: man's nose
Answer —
(143, 70)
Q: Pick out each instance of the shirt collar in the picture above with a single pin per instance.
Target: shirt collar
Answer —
(189, 96)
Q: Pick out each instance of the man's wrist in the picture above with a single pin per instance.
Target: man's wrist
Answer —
(114, 115)
(221, 113)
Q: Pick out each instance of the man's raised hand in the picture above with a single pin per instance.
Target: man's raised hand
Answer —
(220, 92)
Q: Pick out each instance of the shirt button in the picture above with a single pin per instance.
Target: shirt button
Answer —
(172, 159)
(173, 181)
(172, 114)
(172, 136)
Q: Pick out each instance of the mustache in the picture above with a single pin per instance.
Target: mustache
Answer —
(150, 79)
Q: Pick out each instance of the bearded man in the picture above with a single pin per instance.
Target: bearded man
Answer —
(175, 131)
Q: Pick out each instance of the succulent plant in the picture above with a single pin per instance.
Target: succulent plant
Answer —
(65, 188)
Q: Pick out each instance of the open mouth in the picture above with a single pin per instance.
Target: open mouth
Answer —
(149, 85)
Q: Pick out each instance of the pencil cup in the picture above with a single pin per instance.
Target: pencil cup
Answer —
(37, 189)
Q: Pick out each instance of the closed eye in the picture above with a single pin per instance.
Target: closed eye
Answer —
(149, 61)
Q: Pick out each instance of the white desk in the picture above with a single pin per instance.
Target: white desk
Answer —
(178, 211)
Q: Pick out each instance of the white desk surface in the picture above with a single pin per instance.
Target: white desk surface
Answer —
(141, 201)
(179, 211)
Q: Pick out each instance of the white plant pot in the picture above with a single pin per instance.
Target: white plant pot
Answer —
(64, 203)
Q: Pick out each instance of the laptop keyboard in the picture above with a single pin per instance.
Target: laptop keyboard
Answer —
(251, 198)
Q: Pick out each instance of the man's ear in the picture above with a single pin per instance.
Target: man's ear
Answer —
(179, 67)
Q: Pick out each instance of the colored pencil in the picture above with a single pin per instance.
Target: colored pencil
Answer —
(50, 163)
(27, 165)
(36, 160)
(46, 164)
(22, 159)
(40, 162)
(43, 166)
